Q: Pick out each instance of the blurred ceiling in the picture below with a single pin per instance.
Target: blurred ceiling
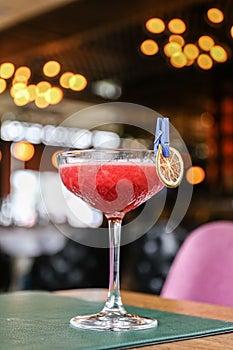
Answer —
(101, 40)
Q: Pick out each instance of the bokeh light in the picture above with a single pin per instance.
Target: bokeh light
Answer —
(174, 38)
(178, 60)
(64, 79)
(149, 47)
(42, 87)
(7, 70)
(21, 97)
(191, 51)
(2, 85)
(54, 95)
(23, 73)
(215, 15)
(22, 150)
(54, 158)
(51, 68)
(171, 49)
(41, 102)
(177, 26)
(204, 61)
(218, 53)
(231, 31)
(207, 120)
(77, 82)
(32, 92)
(155, 25)
(195, 175)
(205, 42)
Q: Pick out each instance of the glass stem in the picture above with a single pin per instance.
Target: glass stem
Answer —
(114, 303)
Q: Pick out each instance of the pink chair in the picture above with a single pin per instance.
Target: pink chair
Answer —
(203, 267)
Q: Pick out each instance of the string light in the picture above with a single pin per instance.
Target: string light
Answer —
(43, 93)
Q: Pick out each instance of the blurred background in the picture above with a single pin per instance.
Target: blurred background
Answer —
(58, 57)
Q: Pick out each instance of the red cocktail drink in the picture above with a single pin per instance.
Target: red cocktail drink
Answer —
(113, 188)
(115, 182)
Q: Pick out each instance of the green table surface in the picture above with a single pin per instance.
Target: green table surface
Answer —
(40, 320)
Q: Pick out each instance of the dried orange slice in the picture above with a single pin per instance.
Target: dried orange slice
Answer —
(170, 169)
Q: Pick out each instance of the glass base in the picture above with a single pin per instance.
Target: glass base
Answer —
(113, 321)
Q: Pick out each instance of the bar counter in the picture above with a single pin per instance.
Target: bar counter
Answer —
(216, 342)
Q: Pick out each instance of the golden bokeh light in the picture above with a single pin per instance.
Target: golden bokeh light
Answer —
(231, 31)
(54, 95)
(191, 51)
(23, 150)
(77, 82)
(179, 60)
(215, 15)
(7, 70)
(23, 73)
(171, 49)
(174, 38)
(155, 25)
(218, 53)
(189, 62)
(51, 68)
(177, 26)
(207, 120)
(20, 79)
(32, 92)
(21, 97)
(64, 79)
(205, 42)
(41, 102)
(195, 175)
(17, 86)
(54, 158)
(149, 47)
(42, 87)
(204, 61)
(2, 85)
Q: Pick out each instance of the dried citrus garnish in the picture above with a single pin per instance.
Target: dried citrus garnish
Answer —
(170, 169)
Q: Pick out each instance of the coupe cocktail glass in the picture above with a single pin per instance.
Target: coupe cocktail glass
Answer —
(115, 182)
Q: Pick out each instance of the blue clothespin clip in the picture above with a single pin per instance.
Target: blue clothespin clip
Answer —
(162, 136)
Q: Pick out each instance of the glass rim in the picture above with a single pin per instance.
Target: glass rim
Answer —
(107, 150)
